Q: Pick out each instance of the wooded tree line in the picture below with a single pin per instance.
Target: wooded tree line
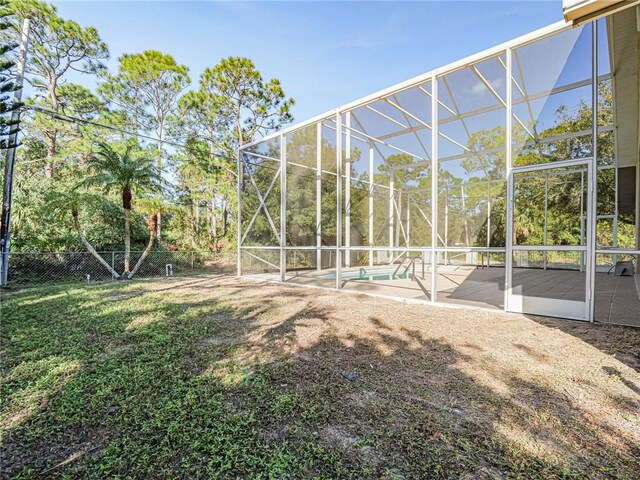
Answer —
(146, 159)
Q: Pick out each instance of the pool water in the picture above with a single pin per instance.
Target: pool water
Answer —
(364, 275)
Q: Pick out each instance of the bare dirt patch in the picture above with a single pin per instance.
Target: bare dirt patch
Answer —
(545, 387)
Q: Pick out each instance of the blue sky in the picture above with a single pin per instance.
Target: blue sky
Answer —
(325, 53)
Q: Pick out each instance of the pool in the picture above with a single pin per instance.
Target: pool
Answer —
(367, 275)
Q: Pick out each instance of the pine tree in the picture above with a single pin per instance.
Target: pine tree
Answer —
(7, 83)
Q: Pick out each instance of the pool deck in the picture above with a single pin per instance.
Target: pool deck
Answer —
(617, 298)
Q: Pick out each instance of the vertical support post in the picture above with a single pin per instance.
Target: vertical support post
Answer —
(546, 219)
(583, 219)
(338, 200)
(464, 215)
(488, 222)
(240, 173)
(488, 213)
(408, 228)
(397, 208)
(391, 215)
(593, 182)
(371, 227)
(446, 224)
(113, 265)
(434, 188)
(508, 278)
(283, 207)
(12, 144)
(347, 191)
(319, 196)
(615, 211)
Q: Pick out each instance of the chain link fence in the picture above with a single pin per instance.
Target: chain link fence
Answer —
(38, 268)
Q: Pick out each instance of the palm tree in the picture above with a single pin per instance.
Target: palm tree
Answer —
(154, 207)
(63, 200)
(127, 174)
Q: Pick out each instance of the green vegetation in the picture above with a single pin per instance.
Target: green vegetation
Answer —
(115, 383)
(197, 128)
(7, 84)
(126, 175)
(152, 111)
(211, 378)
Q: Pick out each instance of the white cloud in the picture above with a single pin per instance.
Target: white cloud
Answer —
(480, 88)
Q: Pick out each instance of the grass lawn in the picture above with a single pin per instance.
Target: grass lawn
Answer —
(214, 377)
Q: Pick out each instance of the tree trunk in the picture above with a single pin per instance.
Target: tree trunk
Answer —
(126, 204)
(51, 137)
(225, 219)
(214, 221)
(195, 223)
(136, 121)
(52, 134)
(160, 132)
(237, 153)
(159, 227)
(127, 240)
(196, 217)
(90, 248)
(214, 218)
(208, 220)
(153, 225)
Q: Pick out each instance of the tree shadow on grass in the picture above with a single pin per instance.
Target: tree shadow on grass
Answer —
(256, 381)
(621, 342)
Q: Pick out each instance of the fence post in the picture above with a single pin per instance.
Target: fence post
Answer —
(192, 255)
(113, 264)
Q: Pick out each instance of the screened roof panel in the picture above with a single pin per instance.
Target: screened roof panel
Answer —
(267, 148)
(359, 157)
(555, 61)
(416, 145)
(490, 124)
(302, 146)
(446, 107)
(416, 103)
(377, 119)
(470, 89)
(493, 72)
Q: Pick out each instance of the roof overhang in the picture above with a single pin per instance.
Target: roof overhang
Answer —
(581, 11)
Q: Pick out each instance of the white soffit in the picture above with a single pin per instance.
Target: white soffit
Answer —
(624, 45)
(580, 11)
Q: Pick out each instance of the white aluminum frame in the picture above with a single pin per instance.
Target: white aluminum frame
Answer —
(424, 78)
(573, 309)
(344, 121)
